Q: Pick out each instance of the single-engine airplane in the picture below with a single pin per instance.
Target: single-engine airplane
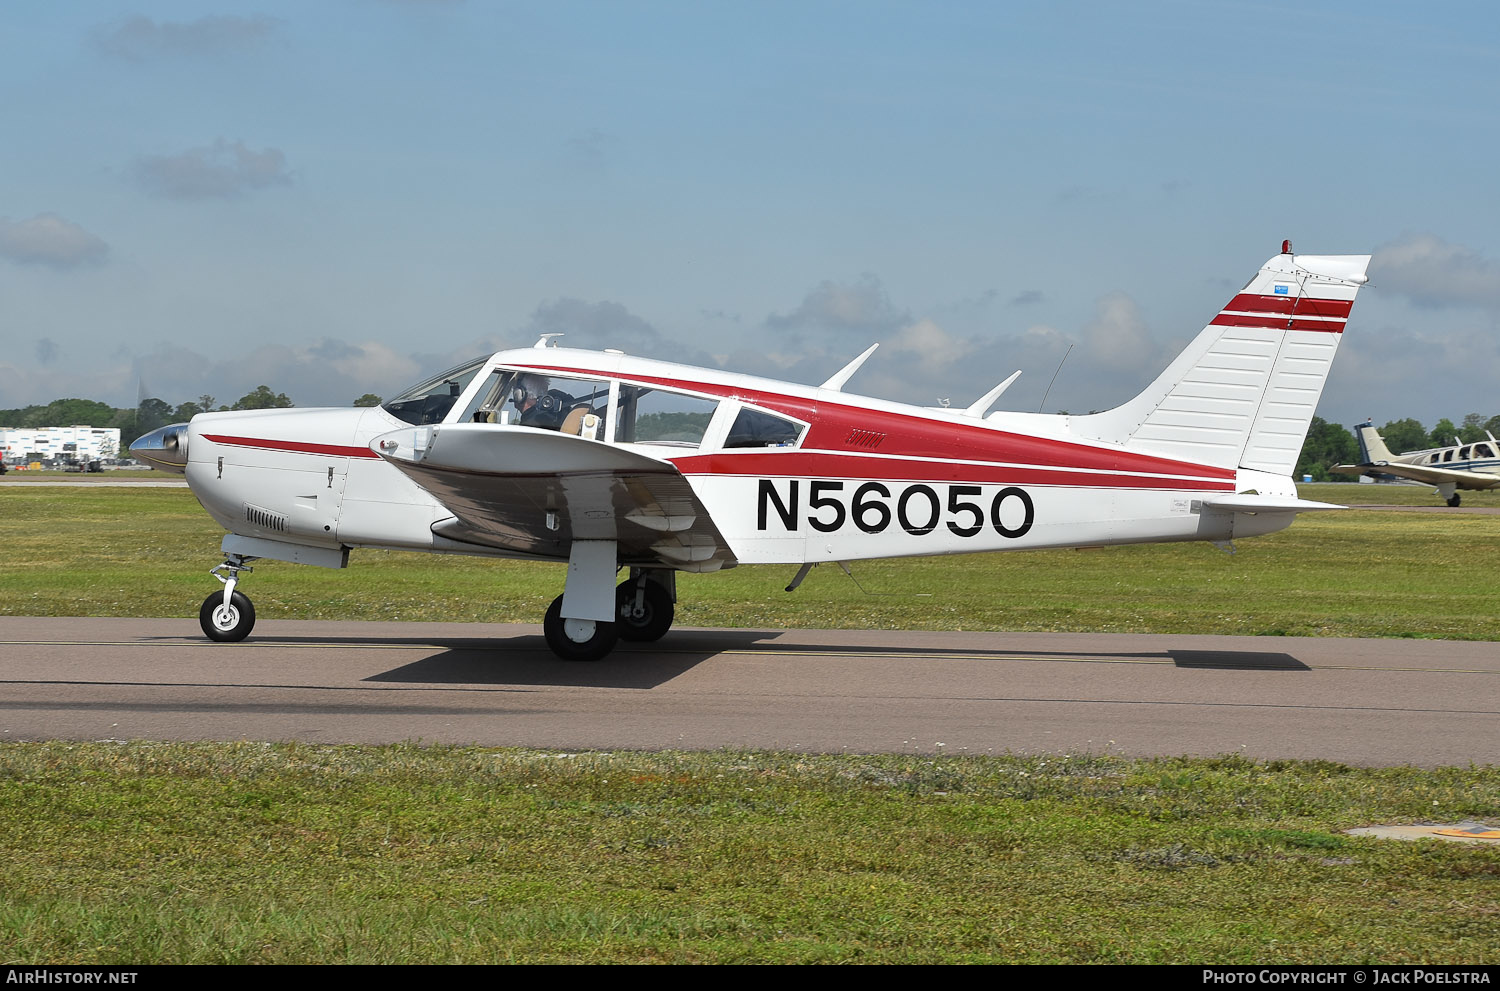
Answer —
(1448, 469)
(609, 461)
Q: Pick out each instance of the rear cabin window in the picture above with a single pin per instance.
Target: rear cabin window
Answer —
(757, 428)
(663, 417)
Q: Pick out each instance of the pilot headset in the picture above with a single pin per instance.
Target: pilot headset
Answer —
(534, 387)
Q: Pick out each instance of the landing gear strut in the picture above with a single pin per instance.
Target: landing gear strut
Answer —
(600, 613)
(228, 616)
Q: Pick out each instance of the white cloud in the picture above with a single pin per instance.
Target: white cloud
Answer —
(139, 39)
(863, 305)
(1435, 273)
(222, 170)
(1117, 337)
(48, 239)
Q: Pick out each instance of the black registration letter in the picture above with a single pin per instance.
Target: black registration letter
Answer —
(788, 513)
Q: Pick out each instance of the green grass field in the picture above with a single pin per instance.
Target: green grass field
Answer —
(257, 854)
(146, 552)
(253, 853)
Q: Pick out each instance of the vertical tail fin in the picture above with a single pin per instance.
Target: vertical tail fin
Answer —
(1371, 445)
(1242, 394)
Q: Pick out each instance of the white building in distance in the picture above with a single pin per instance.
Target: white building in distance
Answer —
(24, 444)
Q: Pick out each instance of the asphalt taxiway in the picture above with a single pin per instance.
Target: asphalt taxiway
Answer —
(1425, 703)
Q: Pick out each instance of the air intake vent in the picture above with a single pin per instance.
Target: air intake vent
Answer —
(864, 438)
(264, 518)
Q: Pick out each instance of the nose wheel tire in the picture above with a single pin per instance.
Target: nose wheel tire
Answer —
(577, 639)
(227, 624)
(651, 621)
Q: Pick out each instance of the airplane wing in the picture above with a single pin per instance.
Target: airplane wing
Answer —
(1423, 473)
(535, 491)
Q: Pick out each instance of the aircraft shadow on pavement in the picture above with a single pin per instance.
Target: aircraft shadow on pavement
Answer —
(1237, 660)
(526, 660)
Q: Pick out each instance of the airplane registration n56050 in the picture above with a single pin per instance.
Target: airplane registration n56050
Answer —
(609, 462)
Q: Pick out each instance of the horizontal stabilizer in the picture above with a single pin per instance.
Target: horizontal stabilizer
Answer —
(1265, 504)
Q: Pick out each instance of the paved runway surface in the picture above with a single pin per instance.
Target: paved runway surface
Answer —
(1365, 702)
(111, 483)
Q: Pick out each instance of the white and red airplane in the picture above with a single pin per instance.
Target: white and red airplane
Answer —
(611, 462)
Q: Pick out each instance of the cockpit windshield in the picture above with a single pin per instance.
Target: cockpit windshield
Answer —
(431, 401)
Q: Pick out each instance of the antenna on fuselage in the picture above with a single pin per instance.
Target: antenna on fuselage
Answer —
(541, 342)
(1054, 379)
(836, 383)
(982, 405)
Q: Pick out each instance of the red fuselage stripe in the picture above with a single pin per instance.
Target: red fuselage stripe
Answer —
(821, 464)
(1306, 306)
(922, 437)
(293, 446)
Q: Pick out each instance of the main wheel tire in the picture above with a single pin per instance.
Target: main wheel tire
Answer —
(1455, 499)
(227, 624)
(565, 643)
(654, 619)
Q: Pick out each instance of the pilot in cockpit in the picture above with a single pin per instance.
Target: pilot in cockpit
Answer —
(538, 405)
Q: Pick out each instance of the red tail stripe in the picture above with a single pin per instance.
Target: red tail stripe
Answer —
(1274, 322)
(1301, 305)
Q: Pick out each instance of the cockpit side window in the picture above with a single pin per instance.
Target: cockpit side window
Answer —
(568, 405)
(757, 428)
(431, 401)
(663, 417)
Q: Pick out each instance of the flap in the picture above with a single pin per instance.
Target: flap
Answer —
(535, 491)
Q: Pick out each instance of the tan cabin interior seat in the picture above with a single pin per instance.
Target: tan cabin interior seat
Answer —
(573, 422)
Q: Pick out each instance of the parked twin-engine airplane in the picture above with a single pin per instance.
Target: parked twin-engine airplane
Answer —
(1462, 466)
(609, 461)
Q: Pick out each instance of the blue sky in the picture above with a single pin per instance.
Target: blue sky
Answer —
(339, 197)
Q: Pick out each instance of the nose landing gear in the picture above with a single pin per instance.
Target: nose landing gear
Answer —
(228, 616)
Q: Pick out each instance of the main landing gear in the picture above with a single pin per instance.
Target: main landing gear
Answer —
(643, 612)
(228, 616)
(644, 607)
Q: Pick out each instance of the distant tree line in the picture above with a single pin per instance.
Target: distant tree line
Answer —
(144, 418)
(1327, 444)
